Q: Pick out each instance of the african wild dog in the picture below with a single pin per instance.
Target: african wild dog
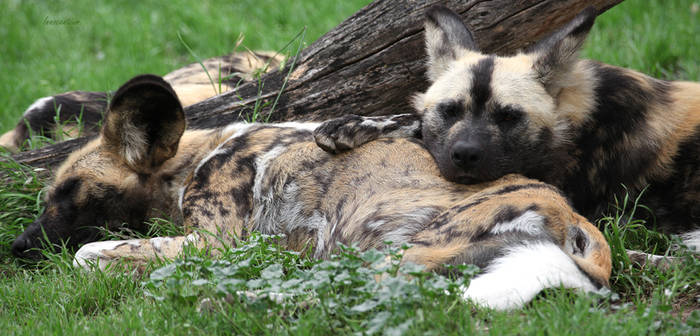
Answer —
(274, 179)
(190, 82)
(585, 127)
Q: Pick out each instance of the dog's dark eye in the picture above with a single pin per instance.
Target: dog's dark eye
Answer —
(508, 115)
(450, 110)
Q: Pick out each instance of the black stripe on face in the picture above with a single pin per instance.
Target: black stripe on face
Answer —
(481, 83)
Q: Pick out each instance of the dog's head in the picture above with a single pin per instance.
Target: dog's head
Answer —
(115, 178)
(484, 115)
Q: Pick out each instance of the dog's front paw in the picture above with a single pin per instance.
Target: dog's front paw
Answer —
(339, 134)
(96, 255)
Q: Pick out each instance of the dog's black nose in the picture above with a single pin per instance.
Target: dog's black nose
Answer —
(466, 155)
(20, 246)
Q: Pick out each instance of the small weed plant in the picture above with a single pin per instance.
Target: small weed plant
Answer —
(354, 290)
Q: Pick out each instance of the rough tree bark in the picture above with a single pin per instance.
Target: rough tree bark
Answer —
(370, 64)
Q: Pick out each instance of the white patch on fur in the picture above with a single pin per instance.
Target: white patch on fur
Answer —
(319, 223)
(401, 228)
(309, 126)
(38, 104)
(192, 237)
(380, 123)
(529, 222)
(157, 242)
(515, 278)
(273, 215)
(180, 196)
(402, 234)
(261, 164)
(692, 240)
(399, 116)
(134, 141)
(400, 132)
(376, 225)
(371, 122)
(236, 127)
(285, 213)
(335, 224)
(91, 254)
(218, 150)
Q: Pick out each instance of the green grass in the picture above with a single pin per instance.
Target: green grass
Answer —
(657, 37)
(116, 40)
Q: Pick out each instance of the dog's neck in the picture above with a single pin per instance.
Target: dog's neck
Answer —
(194, 146)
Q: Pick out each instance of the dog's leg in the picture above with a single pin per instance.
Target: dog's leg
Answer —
(691, 239)
(643, 259)
(523, 237)
(139, 251)
(351, 131)
(514, 278)
(71, 108)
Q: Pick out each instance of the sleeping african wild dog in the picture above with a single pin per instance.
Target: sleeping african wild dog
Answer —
(585, 127)
(274, 179)
(190, 82)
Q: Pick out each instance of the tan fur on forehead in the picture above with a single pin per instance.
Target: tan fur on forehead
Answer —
(453, 84)
(513, 83)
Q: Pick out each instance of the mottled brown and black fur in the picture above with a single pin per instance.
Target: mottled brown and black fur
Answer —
(79, 113)
(274, 179)
(594, 130)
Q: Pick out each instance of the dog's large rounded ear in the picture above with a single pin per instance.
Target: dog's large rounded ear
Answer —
(556, 54)
(144, 123)
(446, 39)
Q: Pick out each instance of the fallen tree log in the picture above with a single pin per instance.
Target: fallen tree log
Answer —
(370, 64)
